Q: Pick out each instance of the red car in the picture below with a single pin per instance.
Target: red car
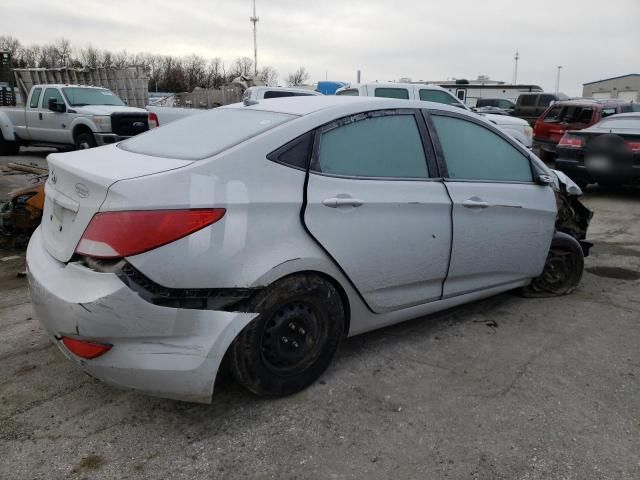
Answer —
(566, 115)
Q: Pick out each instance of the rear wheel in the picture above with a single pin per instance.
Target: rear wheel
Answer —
(85, 140)
(291, 343)
(562, 270)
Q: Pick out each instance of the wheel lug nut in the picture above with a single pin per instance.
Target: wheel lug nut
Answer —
(295, 344)
(284, 340)
(292, 326)
(302, 331)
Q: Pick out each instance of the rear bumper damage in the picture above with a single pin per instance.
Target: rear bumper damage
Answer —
(167, 352)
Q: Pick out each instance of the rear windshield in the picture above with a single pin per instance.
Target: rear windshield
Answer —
(569, 114)
(201, 136)
(626, 123)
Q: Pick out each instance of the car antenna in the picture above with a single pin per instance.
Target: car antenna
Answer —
(248, 102)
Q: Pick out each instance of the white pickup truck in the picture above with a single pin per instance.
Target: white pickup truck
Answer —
(516, 127)
(70, 116)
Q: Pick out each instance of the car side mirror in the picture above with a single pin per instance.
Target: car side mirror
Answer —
(544, 179)
(57, 107)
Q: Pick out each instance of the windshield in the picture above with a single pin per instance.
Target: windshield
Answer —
(79, 97)
(202, 136)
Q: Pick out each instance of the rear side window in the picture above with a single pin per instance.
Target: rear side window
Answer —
(201, 136)
(473, 152)
(553, 115)
(528, 100)
(35, 98)
(438, 97)
(401, 93)
(279, 94)
(351, 92)
(375, 146)
(295, 153)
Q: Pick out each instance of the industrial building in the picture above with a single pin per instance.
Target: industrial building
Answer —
(624, 87)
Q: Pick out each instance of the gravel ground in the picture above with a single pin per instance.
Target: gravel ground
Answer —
(505, 388)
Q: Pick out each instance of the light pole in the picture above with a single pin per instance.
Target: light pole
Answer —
(254, 20)
(558, 79)
(515, 72)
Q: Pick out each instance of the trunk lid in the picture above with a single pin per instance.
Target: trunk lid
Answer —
(77, 186)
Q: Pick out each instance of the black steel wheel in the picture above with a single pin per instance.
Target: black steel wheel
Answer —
(290, 344)
(562, 271)
(85, 140)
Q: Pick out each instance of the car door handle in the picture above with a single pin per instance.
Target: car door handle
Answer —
(471, 203)
(336, 202)
(40, 115)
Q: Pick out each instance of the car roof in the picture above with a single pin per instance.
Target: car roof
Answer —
(285, 89)
(65, 85)
(306, 105)
(428, 86)
(591, 101)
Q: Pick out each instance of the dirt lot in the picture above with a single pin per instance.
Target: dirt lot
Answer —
(507, 388)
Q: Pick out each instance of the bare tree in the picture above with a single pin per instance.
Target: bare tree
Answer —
(298, 77)
(90, 56)
(215, 76)
(9, 44)
(268, 75)
(241, 66)
(63, 51)
(121, 59)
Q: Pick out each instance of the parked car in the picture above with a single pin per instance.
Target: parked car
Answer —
(571, 115)
(70, 116)
(607, 153)
(501, 103)
(515, 127)
(529, 106)
(264, 93)
(264, 233)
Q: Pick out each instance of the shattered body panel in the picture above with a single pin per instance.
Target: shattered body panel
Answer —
(21, 215)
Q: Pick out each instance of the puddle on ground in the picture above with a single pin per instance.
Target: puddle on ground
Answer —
(615, 272)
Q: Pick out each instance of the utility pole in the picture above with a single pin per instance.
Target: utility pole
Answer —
(515, 72)
(558, 79)
(254, 20)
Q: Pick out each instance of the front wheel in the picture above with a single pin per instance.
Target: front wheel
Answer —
(290, 344)
(85, 140)
(7, 147)
(562, 271)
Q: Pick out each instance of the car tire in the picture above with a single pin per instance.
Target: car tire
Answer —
(8, 147)
(562, 270)
(85, 140)
(299, 329)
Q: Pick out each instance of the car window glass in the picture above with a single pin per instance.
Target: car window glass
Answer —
(401, 93)
(608, 111)
(473, 152)
(378, 146)
(629, 122)
(50, 93)
(582, 115)
(351, 92)
(283, 93)
(528, 100)
(35, 98)
(505, 104)
(545, 100)
(553, 115)
(438, 96)
(296, 153)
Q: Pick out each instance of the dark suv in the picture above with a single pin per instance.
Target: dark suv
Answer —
(571, 115)
(529, 106)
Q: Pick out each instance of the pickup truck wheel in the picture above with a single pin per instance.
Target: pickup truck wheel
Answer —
(562, 270)
(85, 140)
(8, 147)
(298, 331)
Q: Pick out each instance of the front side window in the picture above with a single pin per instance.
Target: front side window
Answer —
(438, 96)
(35, 98)
(545, 100)
(473, 152)
(528, 100)
(553, 115)
(51, 93)
(376, 146)
(401, 93)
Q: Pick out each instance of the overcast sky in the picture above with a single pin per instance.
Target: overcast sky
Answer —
(386, 40)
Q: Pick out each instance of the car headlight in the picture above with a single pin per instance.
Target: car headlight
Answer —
(102, 122)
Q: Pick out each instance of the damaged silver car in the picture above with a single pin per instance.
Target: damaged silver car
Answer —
(258, 236)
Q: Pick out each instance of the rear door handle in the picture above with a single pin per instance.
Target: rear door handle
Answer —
(336, 202)
(40, 115)
(471, 203)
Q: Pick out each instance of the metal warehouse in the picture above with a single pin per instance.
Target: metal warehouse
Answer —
(624, 87)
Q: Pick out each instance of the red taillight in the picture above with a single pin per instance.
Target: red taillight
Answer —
(123, 234)
(634, 146)
(85, 349)
(569, 140)
(153, 121)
